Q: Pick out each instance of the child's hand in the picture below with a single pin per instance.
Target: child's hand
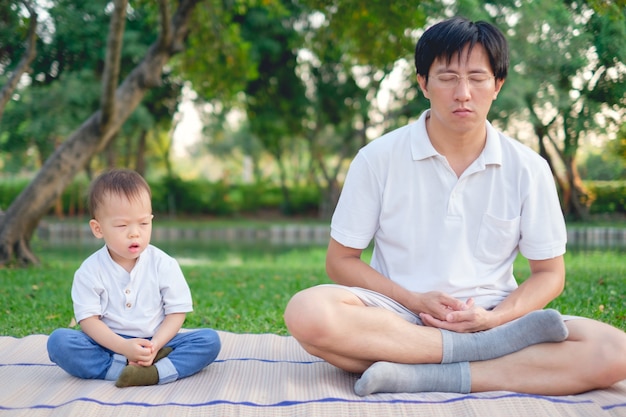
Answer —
(139, 352)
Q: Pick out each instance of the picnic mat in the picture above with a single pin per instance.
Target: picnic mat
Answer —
(257, 375)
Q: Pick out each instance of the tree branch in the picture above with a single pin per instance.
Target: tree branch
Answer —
(21, 218)
(27, 59)
(111, 72)
(165, 34)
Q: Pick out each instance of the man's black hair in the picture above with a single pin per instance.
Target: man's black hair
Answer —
(448, 38)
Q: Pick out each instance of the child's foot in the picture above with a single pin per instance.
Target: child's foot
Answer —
(135, 376)
(163, 352)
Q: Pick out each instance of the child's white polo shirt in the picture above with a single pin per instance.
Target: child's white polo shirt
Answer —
(135, 303)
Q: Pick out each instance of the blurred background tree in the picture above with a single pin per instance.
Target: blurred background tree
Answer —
(286, 91)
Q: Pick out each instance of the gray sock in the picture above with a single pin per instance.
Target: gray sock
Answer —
(539, 326)
(399, 377)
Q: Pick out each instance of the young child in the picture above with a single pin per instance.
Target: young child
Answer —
(130, 298)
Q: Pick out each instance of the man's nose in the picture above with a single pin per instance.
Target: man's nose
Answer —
(462, 90)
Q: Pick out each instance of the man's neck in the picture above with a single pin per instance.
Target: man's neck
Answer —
(459, 148)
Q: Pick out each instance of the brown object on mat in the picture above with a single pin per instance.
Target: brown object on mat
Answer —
(257, 375)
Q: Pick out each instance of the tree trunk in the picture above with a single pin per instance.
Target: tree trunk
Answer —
(22, 217)
(287, 207)
(330, 197)
(578, 196)
(140, 162)
(573, 195)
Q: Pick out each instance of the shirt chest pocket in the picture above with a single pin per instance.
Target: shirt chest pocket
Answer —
(497, 238)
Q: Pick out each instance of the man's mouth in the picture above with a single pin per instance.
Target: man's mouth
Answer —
(462, 110)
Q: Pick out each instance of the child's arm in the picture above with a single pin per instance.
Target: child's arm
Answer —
(135, 350)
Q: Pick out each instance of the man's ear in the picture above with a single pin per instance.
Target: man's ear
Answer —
(423, 83)
(95, 228)
(499, 84)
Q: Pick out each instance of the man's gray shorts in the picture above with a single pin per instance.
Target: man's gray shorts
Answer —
(373, 299)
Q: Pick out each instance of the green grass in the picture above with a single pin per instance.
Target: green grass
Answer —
(246, 290)
(233, 289)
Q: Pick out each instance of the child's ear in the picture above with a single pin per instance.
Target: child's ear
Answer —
(95, 228)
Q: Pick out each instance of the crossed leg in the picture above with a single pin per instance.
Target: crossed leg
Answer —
(336, 326)
(593, 357)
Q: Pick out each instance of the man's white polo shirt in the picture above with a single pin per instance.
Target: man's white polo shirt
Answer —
(435, 232)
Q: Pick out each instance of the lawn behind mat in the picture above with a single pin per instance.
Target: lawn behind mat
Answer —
(245, 290)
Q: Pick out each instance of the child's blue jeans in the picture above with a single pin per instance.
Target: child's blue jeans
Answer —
(79, 355)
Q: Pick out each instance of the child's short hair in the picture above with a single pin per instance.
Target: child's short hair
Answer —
(121, 182)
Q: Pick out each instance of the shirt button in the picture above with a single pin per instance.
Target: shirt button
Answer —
(128, 305)
(127, 291)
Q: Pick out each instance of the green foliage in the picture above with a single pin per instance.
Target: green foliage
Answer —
(10, 189)
(74, 198)
(64, 86)
(13, 33)
(275, 99)
(217, 61)
(251, 54)
(200, 197)
(617, 146)
(205, 198)
(46, 114)
(375, 33)
(609, 197)
(196, 197)
(602, 166)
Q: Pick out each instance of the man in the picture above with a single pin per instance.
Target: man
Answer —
(449, 202)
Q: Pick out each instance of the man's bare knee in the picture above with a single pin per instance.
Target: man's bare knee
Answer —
(605, 346)
(309, 315)
(611, 352)
(301, 314)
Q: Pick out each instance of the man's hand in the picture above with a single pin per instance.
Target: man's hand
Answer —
(437, 305)
(469, 319)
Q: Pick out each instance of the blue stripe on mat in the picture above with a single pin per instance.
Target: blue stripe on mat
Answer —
(557, 400)
(612, 406)
(321, 400)
(216, 361)
(26, 364)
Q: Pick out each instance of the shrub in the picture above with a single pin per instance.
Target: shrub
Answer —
(10, 189)
(610, 197)
(174, 196)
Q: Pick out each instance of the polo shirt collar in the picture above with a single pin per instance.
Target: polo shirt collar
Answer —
(423, 149)
(492, 153)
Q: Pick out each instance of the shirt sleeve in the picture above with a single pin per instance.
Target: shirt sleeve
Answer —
(356, 216)
(543, 232)
(175, 292)
(88, 292)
